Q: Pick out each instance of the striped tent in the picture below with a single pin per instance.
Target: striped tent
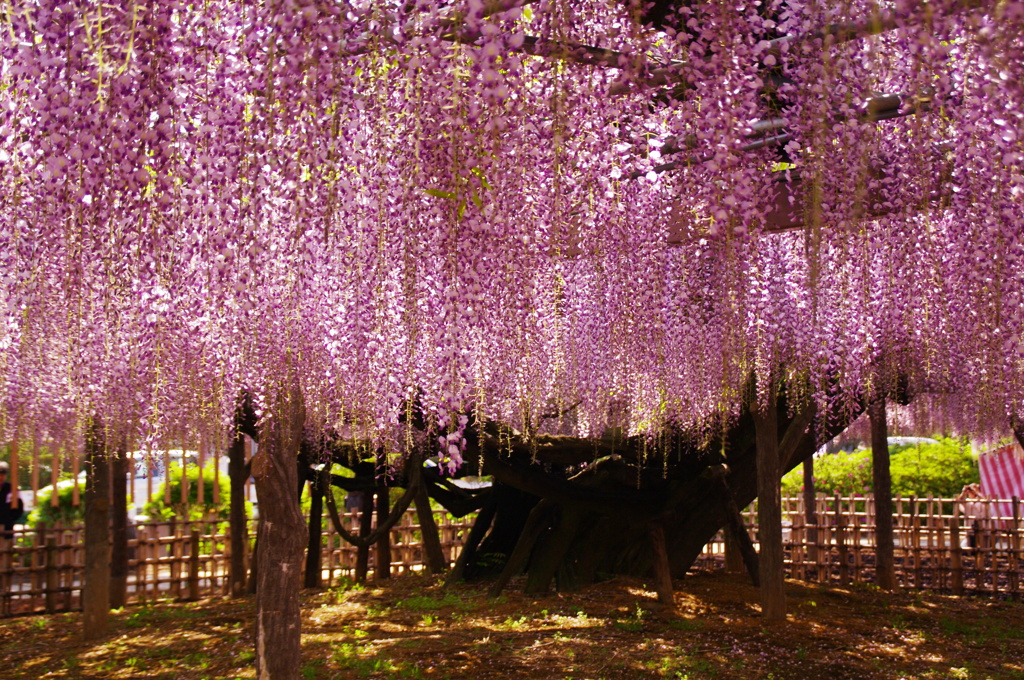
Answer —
(1002, 475)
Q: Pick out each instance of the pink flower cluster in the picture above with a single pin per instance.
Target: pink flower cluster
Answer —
(504, 208)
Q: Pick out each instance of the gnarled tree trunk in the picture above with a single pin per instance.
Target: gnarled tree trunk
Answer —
(282, 538)
(601, 497)
(96, 586)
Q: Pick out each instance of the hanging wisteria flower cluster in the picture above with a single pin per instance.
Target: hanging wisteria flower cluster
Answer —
(502, 208)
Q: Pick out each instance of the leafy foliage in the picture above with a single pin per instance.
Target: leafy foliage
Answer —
(158, 508)
(940, 469)
(65, 511)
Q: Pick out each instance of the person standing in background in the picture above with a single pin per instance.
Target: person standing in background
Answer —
(8, 515)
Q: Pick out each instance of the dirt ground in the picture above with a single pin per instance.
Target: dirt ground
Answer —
(412, 628)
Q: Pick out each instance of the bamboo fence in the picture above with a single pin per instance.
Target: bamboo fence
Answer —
(41, 570)
(937, 548)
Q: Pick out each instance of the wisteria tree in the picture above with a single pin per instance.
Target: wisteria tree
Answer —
(605, 250)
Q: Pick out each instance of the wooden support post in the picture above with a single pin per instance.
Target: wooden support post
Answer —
(736, 530)
(365, 520)
(432, 550)
(383, 567)
(537, 522)
(476, 535)
(662, 571)
(769, 510)
(96, 581)
(733, 558)
(319, 484)
(885, 574)
(193, 565)
(236, 518)
(119, 529)
(52, 575)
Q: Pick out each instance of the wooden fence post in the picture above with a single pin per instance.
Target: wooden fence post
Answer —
(844, 562)
(52, 575)
(176, 549)
(1015, 550)
(956, 555)
(193, 565)
(915, 541)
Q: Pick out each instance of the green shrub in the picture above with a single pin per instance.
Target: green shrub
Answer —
(45, 513)
(159, 509)
(940, 469)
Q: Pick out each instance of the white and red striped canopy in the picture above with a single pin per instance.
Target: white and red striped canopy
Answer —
(1002, 474)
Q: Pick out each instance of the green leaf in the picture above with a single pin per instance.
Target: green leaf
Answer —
(440, 194)
(480, 175)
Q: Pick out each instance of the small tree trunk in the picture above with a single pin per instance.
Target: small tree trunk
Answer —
(383, 570)
(365, 519)
(314, 551)
(236, 517)
(436, 561)
(769, 511)
(810, 511)
(96, 586)
(885, 572)
(119, 530)
(282, 538)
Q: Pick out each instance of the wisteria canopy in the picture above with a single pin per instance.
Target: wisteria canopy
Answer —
(505, 208)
